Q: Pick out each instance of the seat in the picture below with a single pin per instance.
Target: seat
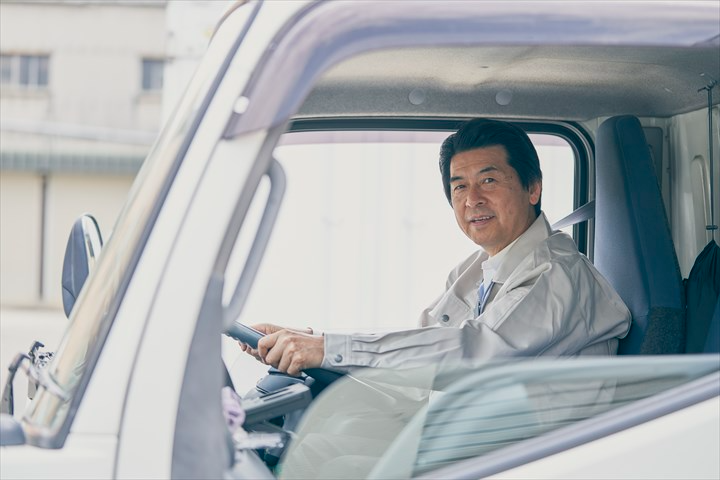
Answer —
(633, 244)
(712, 342)
(702, 294)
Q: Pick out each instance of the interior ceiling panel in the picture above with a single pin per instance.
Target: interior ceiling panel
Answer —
(573, 83)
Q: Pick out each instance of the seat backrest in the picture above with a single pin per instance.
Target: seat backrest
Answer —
(633, 244)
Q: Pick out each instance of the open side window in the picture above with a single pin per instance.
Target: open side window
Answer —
(365, 237)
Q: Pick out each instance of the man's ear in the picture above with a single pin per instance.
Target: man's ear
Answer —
(535, 191)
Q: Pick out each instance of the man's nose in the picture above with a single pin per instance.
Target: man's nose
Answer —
(474, 196)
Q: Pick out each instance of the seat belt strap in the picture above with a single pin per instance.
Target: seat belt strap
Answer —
(580, 214)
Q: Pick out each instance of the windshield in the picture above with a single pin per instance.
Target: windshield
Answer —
(94, 311)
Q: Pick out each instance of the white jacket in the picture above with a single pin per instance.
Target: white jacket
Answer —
(547, 299)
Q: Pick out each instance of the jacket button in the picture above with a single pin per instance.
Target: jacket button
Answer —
(445, 318)
(338, 358)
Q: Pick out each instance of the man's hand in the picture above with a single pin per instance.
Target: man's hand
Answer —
(292, 351)
(296, 358)
(265, 328)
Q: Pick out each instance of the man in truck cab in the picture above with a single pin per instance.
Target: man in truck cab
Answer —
(527, 292)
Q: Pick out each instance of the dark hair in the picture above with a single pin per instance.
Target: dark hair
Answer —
(480, 133)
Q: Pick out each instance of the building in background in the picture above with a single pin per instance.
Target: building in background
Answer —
(84, 88)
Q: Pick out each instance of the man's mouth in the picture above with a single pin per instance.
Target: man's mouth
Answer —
(480, 219)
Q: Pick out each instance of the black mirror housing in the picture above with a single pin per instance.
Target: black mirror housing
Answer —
(82, 250)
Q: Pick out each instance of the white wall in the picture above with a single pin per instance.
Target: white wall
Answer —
(190, 25)
(68, 198)
(94, 106)
(20, 208)
(95, 70)
(21, 246)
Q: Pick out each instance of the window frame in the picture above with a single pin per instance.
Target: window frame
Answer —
(149, 68)
(34, 64)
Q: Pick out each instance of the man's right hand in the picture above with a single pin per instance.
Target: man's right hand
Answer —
(267, 329)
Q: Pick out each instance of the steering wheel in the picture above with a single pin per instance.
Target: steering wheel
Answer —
(250, 336)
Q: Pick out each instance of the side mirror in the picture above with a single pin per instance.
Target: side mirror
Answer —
(82, 251)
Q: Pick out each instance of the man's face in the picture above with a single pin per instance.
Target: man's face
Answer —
(491, 206)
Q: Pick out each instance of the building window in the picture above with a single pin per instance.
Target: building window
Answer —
(29, 71)
(152, 74)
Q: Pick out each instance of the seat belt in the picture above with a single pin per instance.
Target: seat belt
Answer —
(580, 214)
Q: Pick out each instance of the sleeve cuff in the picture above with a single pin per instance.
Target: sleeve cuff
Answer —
(337, 351)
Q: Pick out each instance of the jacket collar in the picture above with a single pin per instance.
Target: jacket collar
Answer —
(526, 243)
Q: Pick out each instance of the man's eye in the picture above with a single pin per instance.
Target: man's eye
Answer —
(458, 187)
(488, 180)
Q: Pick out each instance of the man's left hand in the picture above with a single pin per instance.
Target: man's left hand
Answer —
(291, 351)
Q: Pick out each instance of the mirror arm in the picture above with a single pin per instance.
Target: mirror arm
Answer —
(33, 365)
(43, 378)
(8, 396)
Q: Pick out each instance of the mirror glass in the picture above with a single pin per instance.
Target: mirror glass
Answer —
(82, 251)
